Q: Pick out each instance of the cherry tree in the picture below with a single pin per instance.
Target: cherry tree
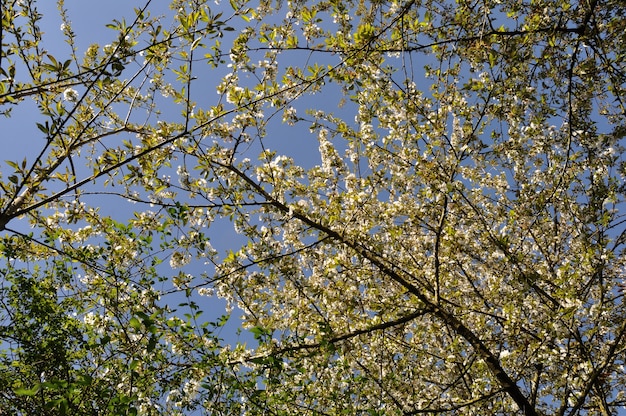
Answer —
(411, 207)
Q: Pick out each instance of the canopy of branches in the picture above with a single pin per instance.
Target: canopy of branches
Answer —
(314, 207)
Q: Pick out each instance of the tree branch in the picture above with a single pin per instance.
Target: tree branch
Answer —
(492, 362)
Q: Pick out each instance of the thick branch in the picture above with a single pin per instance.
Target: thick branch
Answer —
(504, 380)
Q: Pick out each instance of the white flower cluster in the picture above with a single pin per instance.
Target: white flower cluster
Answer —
(289, 116)
(70, 94)
(99, 323)
(312, 31)
(206, 291)
(273, 171)
(182, 280)
(270, 68)
(179, 259)
(328, 153)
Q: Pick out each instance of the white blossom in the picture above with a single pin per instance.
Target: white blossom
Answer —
(70, 94)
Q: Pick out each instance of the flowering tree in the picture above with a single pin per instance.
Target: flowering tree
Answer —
(424, 197)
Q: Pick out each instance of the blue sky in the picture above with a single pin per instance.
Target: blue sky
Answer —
(21, 138)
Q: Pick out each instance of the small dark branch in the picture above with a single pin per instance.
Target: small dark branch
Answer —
(383, 389)
(584, 25)
(438, 235)
(594, 378)
(454, 408)
(344, 337)
(93, 266)
(251, 264)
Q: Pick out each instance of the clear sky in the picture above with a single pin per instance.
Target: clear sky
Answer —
(22, 139)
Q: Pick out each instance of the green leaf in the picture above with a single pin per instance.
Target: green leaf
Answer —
(27, 392)
(135, 323)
